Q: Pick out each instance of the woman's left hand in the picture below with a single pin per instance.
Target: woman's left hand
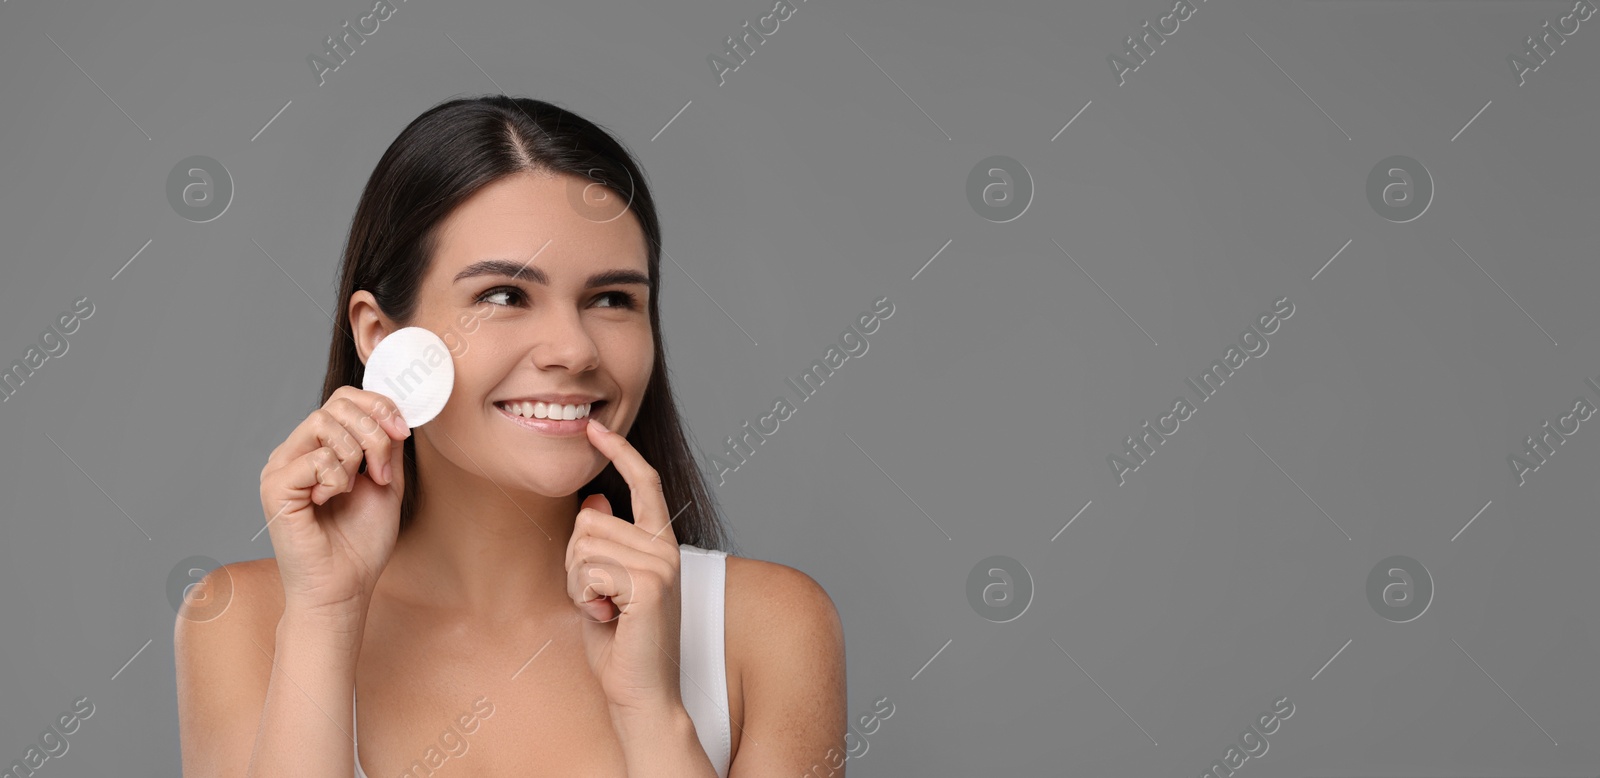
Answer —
(623, 579)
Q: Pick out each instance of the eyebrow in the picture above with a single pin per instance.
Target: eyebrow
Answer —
(519, 270)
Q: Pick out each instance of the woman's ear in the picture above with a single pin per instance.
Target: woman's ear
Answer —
(368, 325)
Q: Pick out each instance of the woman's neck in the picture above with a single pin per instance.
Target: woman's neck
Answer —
(483, 551)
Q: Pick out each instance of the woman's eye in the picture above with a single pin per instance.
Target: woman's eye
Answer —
(623, 299)
(498, 291)
(515, 296)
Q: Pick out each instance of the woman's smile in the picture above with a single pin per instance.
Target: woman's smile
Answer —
(561, 421)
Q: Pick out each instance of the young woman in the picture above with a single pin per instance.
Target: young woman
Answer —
(496, 593)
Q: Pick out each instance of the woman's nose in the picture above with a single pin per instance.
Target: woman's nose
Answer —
(562, 341)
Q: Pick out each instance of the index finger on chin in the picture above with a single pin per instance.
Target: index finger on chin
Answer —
(644, 483)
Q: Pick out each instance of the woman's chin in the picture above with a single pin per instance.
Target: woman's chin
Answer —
(557, 484)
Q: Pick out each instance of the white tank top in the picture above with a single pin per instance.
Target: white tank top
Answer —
(702, 576)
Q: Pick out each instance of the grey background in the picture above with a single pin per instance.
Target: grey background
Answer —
(824, 174)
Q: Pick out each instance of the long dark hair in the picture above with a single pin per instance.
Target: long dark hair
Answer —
(438, 161)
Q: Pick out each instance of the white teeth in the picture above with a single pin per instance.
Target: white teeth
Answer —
(539, 410)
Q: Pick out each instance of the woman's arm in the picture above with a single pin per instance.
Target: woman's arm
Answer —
(262, 692)
(790, 641)
(662, 745)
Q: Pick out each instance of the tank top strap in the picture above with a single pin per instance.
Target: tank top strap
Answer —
(354, 739)
(702, 582)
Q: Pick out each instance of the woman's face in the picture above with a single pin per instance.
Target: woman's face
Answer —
(583, 330)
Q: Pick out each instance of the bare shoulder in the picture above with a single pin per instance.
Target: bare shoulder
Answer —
(764, 595)
(244, 595)
(785, 641)
(776, 615)
(223, 640)
(227, 626)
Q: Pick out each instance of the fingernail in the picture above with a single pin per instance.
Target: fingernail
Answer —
(388, 474)
(596, 422)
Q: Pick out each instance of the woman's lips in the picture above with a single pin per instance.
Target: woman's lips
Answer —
(559, 428)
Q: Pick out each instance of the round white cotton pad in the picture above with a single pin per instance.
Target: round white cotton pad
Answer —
(412, 367)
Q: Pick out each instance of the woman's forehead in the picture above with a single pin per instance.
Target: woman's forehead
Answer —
(526, 219)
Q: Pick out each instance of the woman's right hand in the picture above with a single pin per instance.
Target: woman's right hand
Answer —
(332, 527)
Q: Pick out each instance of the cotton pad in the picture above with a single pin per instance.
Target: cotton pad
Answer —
(412, 367)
